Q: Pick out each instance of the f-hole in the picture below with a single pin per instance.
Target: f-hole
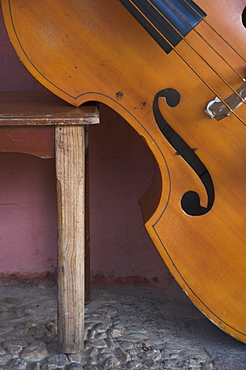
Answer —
(244, 17)
(190, 201)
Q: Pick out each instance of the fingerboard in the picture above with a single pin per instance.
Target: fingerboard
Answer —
(168, 22)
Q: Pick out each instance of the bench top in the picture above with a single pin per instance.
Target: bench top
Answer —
(43, 108)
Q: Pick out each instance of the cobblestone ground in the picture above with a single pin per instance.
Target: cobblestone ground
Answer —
(125, 328)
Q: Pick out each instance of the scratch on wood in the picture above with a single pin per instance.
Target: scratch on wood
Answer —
(11, 137)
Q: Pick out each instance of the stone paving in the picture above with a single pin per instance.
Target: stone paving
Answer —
(133, 328)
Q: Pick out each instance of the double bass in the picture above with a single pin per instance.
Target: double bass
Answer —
(174, 70)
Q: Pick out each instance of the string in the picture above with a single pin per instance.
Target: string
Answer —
(192, 47)
(214, 30)
(201, 36)
(187, 63)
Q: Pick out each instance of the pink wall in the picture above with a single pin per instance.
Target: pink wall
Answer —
(121, 167)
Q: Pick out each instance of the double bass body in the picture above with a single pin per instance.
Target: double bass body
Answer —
(96, 50)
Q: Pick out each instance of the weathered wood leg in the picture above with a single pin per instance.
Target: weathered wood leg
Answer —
(87, 220)
(70, 173)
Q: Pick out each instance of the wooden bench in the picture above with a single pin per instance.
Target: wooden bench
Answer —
(43, 125)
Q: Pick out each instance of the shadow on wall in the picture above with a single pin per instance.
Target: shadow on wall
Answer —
(121, 169)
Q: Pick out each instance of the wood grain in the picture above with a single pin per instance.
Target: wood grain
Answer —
(70, 172)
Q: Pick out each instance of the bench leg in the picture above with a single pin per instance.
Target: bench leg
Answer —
(87, 220)
(70, 174)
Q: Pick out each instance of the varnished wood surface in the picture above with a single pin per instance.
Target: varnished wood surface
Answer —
(33, 140)
(42, 108)
(83, 52)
